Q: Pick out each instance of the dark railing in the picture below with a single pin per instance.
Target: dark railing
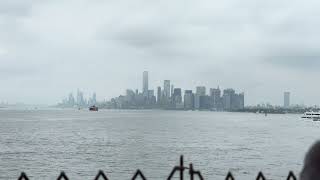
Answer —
(193, 174)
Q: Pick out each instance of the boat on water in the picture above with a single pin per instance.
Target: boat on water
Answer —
(315, 116)
(93, 108)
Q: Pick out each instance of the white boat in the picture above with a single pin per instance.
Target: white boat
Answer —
(311, 115)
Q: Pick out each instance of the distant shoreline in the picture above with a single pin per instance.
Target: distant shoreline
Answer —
(245, 110)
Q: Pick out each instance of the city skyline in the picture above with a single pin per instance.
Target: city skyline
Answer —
(170, 97)
(169, 90)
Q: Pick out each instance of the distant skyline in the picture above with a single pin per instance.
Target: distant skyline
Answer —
(49, 48)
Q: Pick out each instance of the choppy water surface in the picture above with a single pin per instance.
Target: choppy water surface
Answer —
(44, 142)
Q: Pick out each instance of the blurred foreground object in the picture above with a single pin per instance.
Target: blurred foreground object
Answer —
(311, 169)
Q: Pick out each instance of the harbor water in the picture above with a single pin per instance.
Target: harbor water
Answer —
(44, 142)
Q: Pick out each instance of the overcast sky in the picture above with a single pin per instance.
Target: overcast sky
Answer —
(49, 48)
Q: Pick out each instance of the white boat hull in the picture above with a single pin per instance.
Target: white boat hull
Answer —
(315, 116)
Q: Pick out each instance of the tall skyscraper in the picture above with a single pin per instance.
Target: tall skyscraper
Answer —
(145, 83)
(188, 100)
(286, 99)
(176, 96)
(166, 88)
(172, 88)
(215, 97)
(241, 100)
(200, 91)
(159, 95)
(228, 99)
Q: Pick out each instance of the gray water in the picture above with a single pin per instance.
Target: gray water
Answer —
(44, 142)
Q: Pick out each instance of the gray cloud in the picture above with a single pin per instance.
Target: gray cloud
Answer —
(141, 37)
(15, 7)
(303, 62)
(245, 44)
(300, 58)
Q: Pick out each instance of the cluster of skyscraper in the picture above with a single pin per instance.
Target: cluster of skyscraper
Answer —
(168, 97)
(80, 101)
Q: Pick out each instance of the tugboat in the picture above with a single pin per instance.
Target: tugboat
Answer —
(93, 108)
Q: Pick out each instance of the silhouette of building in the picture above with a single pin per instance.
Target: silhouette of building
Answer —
(71, 100)
(239, 102)
(130, 99)
(166, 92)
(159, 95)
(93, 100)
(176, 96)
(232, 101)
(216, 100)
(172, 88)
(204, 102)
(188, 100)
(228, 95)
(151, 98)
(145, 83)
(80, 99)
(286, 99)
(200, 91)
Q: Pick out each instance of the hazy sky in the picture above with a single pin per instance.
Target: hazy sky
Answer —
(263, 48)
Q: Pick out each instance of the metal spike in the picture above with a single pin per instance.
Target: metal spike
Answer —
(139, 173)
(260, 176)
(23, 176)
(291, 176)
(229, 176)
(101, 174)
(63, 176)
